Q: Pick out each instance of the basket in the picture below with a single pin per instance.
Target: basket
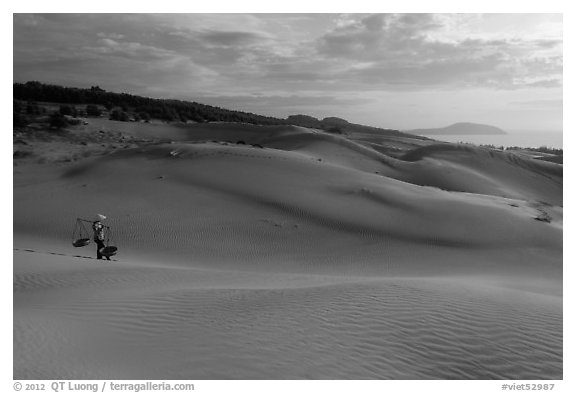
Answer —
(81, 242)
(109, 251)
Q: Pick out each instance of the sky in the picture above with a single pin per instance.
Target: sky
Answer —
(399, 71)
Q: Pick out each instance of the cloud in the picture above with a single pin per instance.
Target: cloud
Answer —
(398, 51)
(232, 38)
(127, 49)
(377, 36)
(285, 101)
(555, 104)
(239, 54)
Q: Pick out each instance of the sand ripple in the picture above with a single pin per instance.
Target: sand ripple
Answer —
(384, 329)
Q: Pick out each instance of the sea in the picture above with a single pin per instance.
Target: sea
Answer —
(520, 139)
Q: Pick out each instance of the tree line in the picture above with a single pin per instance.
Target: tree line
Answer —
(128, 107)
(141, 108)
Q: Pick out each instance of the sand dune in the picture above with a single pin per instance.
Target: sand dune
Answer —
(309, 256)
(298, 205)
(452, 167)
(480, 170)
(151, 322)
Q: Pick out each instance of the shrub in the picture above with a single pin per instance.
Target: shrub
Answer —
(68, 110)
(119, 115)
(21, 154)
(93, 110)
(32, 108)
(58, 120)
(144, 116)
(19, 120)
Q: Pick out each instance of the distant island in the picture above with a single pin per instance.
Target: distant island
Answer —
(460, 129)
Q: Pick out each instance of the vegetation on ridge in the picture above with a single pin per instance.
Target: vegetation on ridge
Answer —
(94, 102)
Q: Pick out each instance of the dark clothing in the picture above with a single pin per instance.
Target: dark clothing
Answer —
(99, 238)
(98, 228)
(99, 246)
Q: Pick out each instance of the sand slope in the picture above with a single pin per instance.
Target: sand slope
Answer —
(309, 256)
(128, 321)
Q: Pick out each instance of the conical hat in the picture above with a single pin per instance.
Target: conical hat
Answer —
(100, 217)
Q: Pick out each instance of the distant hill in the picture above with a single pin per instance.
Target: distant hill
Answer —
(309, 121)
(337, 125)
(460, 129)
(336, 121)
